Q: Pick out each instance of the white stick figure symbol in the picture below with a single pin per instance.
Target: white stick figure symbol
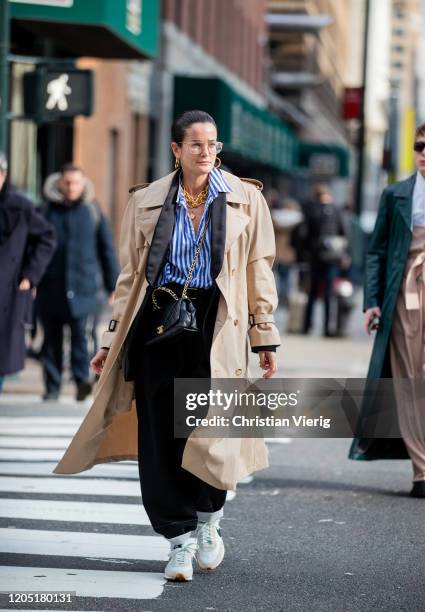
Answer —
(58, 89)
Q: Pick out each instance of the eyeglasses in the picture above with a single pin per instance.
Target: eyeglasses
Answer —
(197, 147)
(419, 146)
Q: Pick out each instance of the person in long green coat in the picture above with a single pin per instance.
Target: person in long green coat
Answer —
(385, 266)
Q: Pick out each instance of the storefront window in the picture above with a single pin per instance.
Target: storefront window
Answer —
(23, 134)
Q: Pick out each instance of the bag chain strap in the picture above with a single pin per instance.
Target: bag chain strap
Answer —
(189, 275)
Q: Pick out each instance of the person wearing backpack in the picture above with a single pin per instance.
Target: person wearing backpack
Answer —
(67, 293)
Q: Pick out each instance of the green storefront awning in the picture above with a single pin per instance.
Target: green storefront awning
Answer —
(246, 130)
(324, 159)
(127, 29)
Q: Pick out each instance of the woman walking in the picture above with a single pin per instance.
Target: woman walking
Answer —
(205, 236)
(395, 295)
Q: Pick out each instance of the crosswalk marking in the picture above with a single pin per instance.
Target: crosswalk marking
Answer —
(30, 447)
(28, 442)
(70, 486)
(102, 470)
(86, 583)
(38, 430)
(39, 420)
(79, 544)
(19, 454)
(69, 511)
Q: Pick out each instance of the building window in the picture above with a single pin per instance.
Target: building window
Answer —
(397, 65)
(398, 32)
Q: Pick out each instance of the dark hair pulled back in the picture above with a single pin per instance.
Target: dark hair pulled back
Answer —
(185, 120)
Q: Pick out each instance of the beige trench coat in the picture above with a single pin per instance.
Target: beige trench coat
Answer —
(247, 287)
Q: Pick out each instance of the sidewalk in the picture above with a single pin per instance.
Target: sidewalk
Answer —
(30, 380)
(298, 356)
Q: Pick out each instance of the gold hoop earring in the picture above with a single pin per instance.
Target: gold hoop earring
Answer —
(217, 165)
(177, 164)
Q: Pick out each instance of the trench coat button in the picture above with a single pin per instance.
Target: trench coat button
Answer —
(238, 372)
(233, 271)
(235, 322)
(70, 294)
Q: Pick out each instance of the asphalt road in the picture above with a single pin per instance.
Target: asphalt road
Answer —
(313, 532)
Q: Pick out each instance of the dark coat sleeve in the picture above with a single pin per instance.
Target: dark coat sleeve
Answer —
(107, 256)
(376, 259)
(341, 226)
(40, 247)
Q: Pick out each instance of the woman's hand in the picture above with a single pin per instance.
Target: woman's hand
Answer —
(25, 284)
(268, 362)
(98, 361)
(368, 316)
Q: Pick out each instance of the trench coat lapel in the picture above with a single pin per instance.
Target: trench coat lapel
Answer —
(403, 193)
(227, 223)
(218, 233)
(162, 231)
(236, 219)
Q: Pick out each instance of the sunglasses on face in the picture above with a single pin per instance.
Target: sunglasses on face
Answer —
(419, 146)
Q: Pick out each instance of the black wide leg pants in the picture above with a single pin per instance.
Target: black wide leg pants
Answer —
(171, 495)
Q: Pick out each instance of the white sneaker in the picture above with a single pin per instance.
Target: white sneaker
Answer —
(210, 545)
(179, 567)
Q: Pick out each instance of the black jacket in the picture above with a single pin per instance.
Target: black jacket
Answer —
(27, 242)
(321, 220)
(85, 252)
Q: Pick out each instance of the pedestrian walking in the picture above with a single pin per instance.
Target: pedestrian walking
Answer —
(395, 300)
(326, 239)
(286, 216)
(27, 242)
(212, 231)
(68, 293)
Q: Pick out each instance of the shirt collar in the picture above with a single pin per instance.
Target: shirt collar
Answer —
(218, 184)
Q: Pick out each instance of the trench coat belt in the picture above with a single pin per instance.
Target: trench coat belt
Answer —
(415, 275)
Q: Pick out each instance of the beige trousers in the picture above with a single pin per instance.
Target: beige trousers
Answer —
(407, 353)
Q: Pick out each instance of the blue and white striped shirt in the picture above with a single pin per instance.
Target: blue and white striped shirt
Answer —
(183, 243)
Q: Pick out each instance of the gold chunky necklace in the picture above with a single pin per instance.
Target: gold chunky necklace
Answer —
(195, 201)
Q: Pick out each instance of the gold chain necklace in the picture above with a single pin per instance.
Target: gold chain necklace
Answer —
(195, 201)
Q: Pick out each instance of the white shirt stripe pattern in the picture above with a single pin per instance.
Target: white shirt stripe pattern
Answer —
(183, 243)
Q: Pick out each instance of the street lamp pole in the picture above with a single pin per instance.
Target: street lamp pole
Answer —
(362, 127)
(4, 72)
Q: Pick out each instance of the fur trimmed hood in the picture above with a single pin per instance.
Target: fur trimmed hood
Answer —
(52, 192)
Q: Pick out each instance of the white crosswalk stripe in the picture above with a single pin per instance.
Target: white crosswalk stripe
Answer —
(69, 486)
(29, 450)
(76, 544)
(69, 511)
(29, 442)
(103, 470)
(85, 583)
(22, 454)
